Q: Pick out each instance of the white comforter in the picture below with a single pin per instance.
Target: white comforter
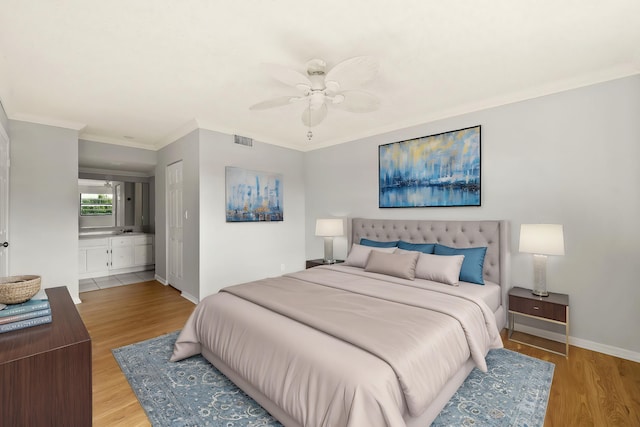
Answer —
(338, 346)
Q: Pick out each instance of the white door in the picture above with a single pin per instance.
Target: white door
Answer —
(4, 203)
(175, 214)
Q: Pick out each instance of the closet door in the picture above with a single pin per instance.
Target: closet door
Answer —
(175, 215)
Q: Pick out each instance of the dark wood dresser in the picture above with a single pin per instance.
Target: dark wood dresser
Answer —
(45, 370)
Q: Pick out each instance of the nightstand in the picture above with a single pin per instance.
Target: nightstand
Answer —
(316, 262)
(553, 308)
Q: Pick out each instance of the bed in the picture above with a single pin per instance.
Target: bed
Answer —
(361, 343)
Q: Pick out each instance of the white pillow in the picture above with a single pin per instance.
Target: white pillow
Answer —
(359, 254)
(396, 264)
(439, 268)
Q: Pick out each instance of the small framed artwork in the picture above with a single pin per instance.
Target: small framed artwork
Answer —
(253, 196)
(435, 170)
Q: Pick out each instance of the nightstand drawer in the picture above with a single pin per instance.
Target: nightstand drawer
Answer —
(540, 308)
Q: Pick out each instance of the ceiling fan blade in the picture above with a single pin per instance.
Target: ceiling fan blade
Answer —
(275, 102)
(312, 117)
(358, 101)
(354, 72)
(286, 75)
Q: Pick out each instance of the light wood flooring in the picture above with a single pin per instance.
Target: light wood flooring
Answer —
(589, 388)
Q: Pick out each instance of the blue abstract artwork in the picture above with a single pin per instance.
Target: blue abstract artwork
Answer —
(253, 196)
(435, 170)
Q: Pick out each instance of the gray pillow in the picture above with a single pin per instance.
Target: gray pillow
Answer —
(440, 268)
(359, 254)
(393, 264)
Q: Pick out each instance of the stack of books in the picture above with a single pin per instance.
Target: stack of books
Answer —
(34, 312)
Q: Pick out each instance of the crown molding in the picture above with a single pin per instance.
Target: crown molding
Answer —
(116, 141)
(48, 121)
(178, 133)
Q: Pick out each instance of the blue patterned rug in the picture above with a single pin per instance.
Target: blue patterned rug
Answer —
(192, 392)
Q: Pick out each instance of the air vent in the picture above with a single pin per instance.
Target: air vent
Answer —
(243, 140)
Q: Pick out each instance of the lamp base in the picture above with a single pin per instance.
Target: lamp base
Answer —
(328, 251)
(540, 275)
(540, 293)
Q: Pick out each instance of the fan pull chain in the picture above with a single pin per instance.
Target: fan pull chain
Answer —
(309, 133)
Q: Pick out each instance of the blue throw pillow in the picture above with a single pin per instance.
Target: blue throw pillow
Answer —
(426, 248)
(472, 265)
(376, 244)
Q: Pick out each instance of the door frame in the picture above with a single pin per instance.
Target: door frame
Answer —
(5, 142)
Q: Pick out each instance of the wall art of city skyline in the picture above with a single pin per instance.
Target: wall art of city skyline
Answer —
(435, 170)
(253, 196)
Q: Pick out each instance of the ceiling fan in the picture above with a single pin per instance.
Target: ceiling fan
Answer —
(320, 87)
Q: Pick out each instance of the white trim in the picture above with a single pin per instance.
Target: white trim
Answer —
(582, 343)
(3, 132)
(117, 141)
(178, 133)
(189, 297)
(48, 121)
(112, 172)
(161, 280)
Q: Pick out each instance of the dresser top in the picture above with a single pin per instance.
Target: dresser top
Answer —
(66, 328)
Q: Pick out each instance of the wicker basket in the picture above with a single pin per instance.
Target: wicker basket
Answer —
(17, 289)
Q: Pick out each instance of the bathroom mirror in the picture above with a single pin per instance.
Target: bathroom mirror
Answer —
(105, 203)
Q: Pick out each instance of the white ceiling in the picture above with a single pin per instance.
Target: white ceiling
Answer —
(144, 72)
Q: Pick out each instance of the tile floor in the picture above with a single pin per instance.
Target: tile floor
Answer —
(96, 283)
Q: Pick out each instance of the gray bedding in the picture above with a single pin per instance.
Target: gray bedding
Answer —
(369, 349)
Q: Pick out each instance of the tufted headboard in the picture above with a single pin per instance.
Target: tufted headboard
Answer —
(461, 234)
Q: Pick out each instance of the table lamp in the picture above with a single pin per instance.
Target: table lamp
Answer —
(329, 228)
(541, 240)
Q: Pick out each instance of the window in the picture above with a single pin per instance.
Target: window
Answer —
(96, 204)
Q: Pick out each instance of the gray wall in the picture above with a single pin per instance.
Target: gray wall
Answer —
(187, 150)
(216, 253)
(88, 151)
(44, 204)
(568, 158)
(233, 253)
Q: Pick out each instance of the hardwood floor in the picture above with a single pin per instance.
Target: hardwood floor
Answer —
(120, 316)
(589, 388)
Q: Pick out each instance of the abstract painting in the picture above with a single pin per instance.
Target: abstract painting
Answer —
(435, 170)
(253, 196)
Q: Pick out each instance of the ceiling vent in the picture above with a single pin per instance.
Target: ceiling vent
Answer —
(243, 140)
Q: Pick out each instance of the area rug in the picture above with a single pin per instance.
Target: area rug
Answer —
(192, 392)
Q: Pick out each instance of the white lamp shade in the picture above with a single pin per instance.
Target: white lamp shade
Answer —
(543, 239)
(329, 227)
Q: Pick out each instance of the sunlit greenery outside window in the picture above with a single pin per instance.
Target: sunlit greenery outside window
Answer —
(96, 204)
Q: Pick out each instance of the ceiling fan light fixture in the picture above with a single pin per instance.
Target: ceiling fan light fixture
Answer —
(321, 87)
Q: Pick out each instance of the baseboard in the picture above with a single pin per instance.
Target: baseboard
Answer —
(184, 295)
(582, 343)
(189, 297)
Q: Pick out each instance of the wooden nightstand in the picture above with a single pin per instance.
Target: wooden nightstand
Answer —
(316, 262)
(553, 308)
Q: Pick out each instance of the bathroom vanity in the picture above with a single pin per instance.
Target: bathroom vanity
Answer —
(103, 255)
